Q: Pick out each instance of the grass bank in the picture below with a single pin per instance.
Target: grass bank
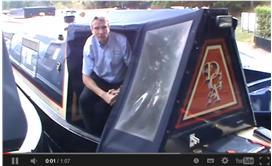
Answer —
(244, 36)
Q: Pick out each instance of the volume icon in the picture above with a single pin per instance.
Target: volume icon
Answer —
(33, 161)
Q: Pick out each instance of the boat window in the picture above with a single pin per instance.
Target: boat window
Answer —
(15, 51)
(158, 64)
(30, 55)
(53, 51)
(50, 70)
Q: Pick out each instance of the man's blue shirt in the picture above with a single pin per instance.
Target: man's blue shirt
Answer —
(108, 61)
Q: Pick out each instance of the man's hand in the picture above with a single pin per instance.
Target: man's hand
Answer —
(114, 91)
(111, 96)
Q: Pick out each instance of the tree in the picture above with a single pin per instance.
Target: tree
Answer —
(19, 4)
(236, 7)
(160, 4)
(263, 14)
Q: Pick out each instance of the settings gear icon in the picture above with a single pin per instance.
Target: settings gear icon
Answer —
(225, 160)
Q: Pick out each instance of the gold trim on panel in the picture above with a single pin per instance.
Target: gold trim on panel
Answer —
(187, 114)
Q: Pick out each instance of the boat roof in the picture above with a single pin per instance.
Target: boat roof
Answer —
(56, 24)
(130, 17)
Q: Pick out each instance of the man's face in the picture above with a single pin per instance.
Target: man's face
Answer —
(101, 30)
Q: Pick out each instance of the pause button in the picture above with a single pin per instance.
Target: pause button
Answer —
(15, 161)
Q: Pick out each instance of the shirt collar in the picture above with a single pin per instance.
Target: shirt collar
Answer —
(102, 45)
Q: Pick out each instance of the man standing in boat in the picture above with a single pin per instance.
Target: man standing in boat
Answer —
(106, 57)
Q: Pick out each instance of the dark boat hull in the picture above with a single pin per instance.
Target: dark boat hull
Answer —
(60, 141)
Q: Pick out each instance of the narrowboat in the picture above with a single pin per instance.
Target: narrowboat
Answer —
(185, 90)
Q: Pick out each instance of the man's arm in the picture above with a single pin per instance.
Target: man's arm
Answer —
(108, 97)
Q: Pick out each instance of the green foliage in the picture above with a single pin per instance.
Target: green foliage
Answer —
(243, 36)
(160, 4)
(233, 5)
(19, 4)
(193, 4)
(263, 15)
(62, 5)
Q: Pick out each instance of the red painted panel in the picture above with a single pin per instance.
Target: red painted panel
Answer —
(213, 90)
